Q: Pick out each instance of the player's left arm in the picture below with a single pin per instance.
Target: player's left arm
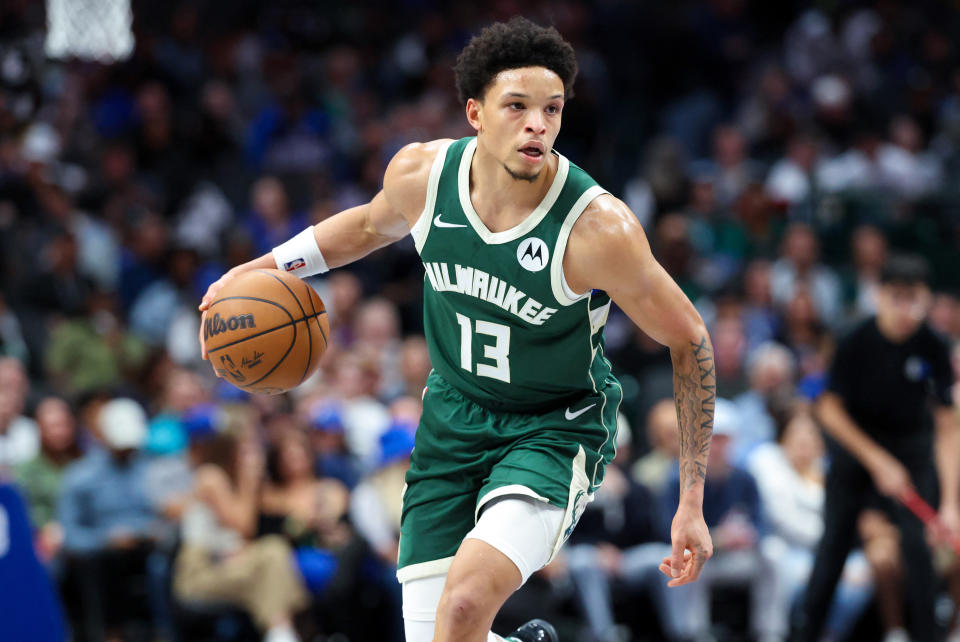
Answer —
(608, 250)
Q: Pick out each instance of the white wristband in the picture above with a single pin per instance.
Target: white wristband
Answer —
(300, 255)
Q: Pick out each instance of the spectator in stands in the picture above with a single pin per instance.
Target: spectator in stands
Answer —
(790, 179)
(328, 439)
(58, 286)
(40, 478)
(803, 332)
(109, 522)
(653, 470)
(376, 502)
(672, 246)
(789, 475)
(733, 512)
(771, 370)
(270, 221)
(346, 292)
(617, 538)
(730, 351)
(94, 351)
(760, 222)
(219, 561)
(378, 332)
(11, 336)
(735, 170)
(945, 315)
(906, 168)
(19, 440)
(141, 262)
(306, 509)
(799, 268)
(155, 311)
(414, 365)
(854, 169)
(356, 379)
(760, 320)
(868, 248)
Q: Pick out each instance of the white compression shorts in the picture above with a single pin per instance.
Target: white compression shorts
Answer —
(523, 529)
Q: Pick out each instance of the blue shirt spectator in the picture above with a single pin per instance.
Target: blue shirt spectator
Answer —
(104, 495)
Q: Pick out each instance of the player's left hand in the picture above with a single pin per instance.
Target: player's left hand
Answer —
(208, 298)
(692, 546)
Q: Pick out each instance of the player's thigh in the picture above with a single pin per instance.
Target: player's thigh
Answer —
(522, 530)
(447, 469)
(436, 516)
(549, 471)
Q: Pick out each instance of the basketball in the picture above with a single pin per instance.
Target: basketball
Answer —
(266, 331)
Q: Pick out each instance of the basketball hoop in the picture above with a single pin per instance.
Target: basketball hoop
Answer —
(98, 30)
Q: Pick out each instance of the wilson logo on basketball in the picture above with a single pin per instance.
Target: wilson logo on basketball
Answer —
(218, 325)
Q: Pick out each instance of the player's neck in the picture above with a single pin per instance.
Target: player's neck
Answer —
(493, 190)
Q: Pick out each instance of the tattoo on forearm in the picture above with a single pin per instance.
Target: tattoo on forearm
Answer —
(695, 393)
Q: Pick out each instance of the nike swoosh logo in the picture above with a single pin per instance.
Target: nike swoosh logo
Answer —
(573, 415)
(439, 223)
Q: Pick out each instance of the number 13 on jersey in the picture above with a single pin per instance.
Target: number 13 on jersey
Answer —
(498, 351)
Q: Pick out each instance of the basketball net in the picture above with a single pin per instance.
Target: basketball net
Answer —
(98, 30)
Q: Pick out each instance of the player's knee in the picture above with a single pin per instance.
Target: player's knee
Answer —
(464, 606)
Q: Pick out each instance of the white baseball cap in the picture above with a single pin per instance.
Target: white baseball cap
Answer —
(123, 424)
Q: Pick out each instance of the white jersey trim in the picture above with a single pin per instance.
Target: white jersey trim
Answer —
(579, 490)
(421, 229)
(424, 569)
(561, 290)
(527, 224)
(505, 491)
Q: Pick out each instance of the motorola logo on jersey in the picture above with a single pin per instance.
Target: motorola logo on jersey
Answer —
(533, 254)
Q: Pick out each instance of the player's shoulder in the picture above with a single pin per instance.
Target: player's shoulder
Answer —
(605, 222)
(415, 159)
(405, 180)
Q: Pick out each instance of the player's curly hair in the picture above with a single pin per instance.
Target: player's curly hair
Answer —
(511, 45)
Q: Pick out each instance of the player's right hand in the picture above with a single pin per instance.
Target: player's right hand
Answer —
(890, 476)
(205, 304)
(692, 546)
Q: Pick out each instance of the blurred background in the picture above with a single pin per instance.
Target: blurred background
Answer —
(775, 152)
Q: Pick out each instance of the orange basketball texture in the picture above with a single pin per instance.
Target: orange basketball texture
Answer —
(266, 331)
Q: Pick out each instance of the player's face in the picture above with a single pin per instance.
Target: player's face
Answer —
(519, 119)
(902, 308)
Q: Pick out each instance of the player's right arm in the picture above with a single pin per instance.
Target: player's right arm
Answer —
(356, 232)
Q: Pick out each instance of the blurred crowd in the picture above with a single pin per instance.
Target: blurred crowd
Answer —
(776, 154)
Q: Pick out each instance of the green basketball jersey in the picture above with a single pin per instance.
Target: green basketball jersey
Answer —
(501, 323)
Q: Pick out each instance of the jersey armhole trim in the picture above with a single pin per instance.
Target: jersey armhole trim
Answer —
(421, 229)
(561, 289)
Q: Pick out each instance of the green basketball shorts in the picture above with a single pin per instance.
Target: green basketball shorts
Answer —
(467, 455)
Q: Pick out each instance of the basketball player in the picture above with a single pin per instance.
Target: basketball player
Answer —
(523, 253)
